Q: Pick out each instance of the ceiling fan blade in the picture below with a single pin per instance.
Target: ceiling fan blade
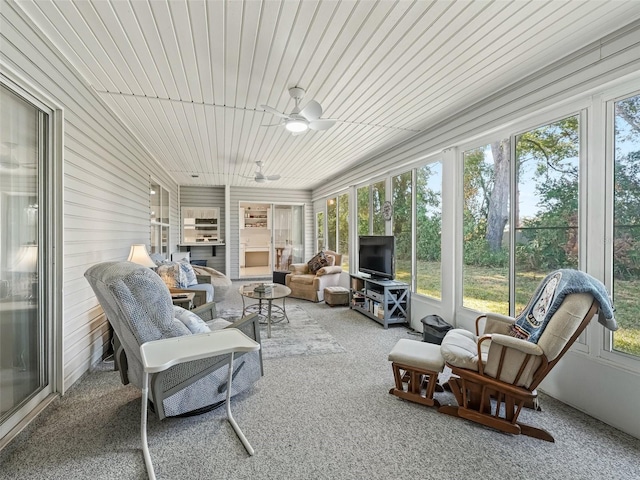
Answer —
(271, 125)
(322, 124)
(273, 111)
(273, 177)
(311, 111)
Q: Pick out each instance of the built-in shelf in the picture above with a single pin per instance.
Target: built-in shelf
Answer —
(255, 218)
(200, 225)
(211, 245)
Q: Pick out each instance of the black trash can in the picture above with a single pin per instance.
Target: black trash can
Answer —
(434, 328)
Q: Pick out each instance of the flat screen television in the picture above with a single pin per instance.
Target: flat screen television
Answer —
(376, 256)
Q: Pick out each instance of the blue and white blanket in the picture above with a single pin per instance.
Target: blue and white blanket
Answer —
(548, 297)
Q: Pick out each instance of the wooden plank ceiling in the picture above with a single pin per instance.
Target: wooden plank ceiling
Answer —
(189, 77)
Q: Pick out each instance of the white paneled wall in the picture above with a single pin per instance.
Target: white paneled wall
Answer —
(106, 175)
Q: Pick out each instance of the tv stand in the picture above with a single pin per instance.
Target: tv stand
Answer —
(385, 301)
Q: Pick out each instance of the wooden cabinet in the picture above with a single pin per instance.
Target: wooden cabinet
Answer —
(385, 301)
(200, 226)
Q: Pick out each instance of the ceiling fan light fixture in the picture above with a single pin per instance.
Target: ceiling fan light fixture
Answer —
(296, 125)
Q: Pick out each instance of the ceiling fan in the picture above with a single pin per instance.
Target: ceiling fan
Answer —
(260, 177)
(300, 120)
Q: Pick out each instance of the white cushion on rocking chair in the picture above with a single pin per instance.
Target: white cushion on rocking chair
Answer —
(460, 349)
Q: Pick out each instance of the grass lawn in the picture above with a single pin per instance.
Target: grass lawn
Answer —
(487, 290)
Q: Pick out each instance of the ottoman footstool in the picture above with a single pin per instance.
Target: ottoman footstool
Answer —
(334, 296)
(416, 364)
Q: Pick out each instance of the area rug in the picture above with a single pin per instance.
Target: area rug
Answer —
(302, 335)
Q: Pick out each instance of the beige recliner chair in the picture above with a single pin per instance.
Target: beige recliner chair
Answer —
(497, 372)
(308, 285)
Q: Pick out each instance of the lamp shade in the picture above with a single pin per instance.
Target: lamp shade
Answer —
(138, 254)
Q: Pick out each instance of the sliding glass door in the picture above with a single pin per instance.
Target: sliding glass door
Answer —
(288, 233)
(24, 334)
(271, 238)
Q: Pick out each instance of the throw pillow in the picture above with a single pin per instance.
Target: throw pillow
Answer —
(190, 320)
(188, 272)
(317, 262)
(170, 274)
(158, 258)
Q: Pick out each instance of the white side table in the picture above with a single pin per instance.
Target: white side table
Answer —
(159, 355)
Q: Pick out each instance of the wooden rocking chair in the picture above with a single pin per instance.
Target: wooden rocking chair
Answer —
(495, 375)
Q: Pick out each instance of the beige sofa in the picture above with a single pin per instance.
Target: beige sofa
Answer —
(310, 286)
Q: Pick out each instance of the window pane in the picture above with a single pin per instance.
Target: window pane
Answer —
(343, 229)
(626, 219)
(429, 229)
(546, 216)
(320, 230)
(485, 224)
(401, 198)
(378, 197)
(164, 206)
(332, 233)
(156, 242)
(154, 201)
(363, 210)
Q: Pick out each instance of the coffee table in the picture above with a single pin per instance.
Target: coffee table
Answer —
(268, 312)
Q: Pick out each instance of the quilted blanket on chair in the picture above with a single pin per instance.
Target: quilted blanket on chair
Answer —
(548, 297)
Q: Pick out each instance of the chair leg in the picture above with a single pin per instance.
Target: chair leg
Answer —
(420, 384)
(474, 403)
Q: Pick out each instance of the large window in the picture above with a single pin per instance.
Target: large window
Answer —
(485, 223)
(343, 229)
(546, 215)
(429, 230)
(377, 199)
(363, 210)
(332, 223)
(320, 230)
(545, 219)
(337, 227)
(401, 194)
(626, 228)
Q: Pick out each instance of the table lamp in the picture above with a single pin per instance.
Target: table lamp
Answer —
(138, 254)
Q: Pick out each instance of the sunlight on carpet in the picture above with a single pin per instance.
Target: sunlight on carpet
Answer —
(301, 336)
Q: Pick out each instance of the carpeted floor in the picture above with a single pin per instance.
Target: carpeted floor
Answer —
(325, 416)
